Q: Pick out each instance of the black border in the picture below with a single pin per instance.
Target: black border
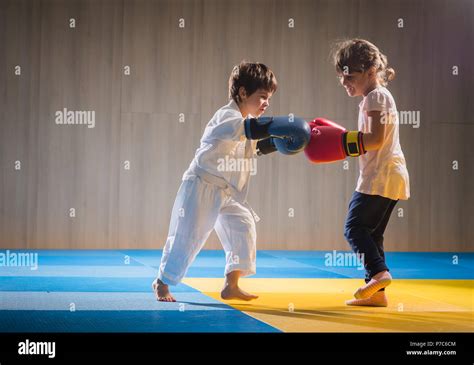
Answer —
(379, 347)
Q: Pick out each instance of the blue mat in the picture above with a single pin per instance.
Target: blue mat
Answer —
(130, 321)
(81, 284)
(270, 264)
(111, 289)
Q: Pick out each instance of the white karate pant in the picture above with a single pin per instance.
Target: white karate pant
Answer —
(199, 208)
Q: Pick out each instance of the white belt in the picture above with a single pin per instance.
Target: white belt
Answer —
(224, 185)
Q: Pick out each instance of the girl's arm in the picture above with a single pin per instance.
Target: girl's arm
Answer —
(373, 140)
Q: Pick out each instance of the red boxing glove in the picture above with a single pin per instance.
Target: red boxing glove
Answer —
(331, 142)
(323, 122)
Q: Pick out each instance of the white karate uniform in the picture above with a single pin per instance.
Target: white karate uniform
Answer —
(383, 172)
(211, 197)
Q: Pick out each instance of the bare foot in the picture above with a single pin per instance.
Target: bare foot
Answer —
(234, 292)
(379, 299)
(379, 281)
(162, 291)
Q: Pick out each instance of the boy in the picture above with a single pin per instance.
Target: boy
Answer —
(210, 198)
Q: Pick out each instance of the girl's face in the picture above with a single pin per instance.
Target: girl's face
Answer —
(359, 83)
(255, 104)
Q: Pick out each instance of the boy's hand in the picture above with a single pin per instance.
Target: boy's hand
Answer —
(291, 134)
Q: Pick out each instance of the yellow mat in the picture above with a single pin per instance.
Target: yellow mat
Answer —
(317, 305)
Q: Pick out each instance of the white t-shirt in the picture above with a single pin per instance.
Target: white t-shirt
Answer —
(225, 151)
(383, 172)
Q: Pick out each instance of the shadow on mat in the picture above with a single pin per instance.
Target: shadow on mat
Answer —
(380, 318)
(212, 305)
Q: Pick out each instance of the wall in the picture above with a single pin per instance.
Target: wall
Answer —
(178, 72)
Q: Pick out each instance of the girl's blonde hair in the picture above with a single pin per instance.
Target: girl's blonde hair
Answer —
(358, 55)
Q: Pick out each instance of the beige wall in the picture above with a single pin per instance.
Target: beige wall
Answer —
(184, 70)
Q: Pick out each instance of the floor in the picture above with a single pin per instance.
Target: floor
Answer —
(299, 291)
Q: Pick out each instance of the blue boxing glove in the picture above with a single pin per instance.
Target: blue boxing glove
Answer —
(266, 146)
(290, 134)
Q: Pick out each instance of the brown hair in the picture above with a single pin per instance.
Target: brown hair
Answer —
(358, 55)
(250, 76)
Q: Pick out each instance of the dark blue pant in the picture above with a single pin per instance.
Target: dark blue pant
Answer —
(365, 225)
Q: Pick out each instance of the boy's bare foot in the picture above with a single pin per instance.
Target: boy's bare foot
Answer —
(379, 281)
(162, 291)
(379, 299)
(234, 292)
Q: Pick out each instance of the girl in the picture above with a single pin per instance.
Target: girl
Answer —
(383, 180)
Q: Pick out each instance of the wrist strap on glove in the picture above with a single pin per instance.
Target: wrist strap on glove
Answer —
(257, 128)
(353, 143)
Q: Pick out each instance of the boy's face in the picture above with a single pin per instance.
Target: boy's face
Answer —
(357, 83)
(255, 104)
